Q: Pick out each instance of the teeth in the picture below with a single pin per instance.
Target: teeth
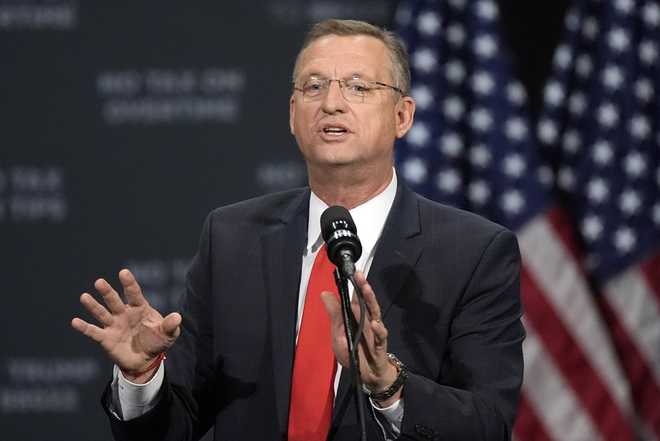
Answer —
(334, 129)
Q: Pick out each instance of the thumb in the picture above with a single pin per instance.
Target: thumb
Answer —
(171, 325)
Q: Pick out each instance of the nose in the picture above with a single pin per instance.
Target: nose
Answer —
(333, 101)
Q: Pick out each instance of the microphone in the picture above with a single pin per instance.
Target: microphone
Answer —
(344, 249)
(340, 235)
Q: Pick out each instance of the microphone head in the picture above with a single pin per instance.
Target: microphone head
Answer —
(336, 218)
(340, 234)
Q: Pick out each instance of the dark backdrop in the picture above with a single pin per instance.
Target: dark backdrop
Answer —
(121, 127)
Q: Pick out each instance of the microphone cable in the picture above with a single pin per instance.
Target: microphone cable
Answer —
(354, 358)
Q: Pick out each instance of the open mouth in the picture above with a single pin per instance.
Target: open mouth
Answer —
(336, 131)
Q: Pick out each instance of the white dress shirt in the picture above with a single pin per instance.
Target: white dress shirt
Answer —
(132, 400)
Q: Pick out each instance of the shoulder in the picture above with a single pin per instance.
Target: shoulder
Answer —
(263, 209)
(449, 224)
(241, 224)
(448, 216)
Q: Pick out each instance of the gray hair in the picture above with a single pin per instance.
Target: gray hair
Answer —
(394, 44)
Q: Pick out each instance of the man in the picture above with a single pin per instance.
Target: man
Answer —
(442, 292)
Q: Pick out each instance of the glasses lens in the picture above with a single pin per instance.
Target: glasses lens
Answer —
(313, 88)
(354, 90)
(357, 88)
(360, 91)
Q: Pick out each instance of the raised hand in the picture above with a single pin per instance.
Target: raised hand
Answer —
(376, 371)
(133, 334)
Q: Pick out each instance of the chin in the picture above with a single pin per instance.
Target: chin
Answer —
(331, 156)
(339, 159)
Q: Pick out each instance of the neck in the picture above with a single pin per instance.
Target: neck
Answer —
(343, 186)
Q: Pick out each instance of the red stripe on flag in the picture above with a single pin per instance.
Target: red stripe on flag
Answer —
(562, 225)
(576, 369)
(651, 270)
(645, 391)
(528, 425)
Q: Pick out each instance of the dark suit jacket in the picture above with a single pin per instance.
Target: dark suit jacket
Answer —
(448, 285)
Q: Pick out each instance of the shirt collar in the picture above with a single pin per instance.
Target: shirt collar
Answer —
(369, 218)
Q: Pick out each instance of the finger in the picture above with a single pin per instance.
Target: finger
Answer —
(332, 307)
(171, 325)
(355, 307)
(369, 297)
(110, 296)
(97, 310)
(132, 289)
(339, 343)
(91, 331)
(367, 339)
(380, 336)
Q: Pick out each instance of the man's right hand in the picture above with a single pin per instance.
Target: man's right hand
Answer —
(133, 334)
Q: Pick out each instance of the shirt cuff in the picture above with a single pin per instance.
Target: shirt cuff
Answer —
(393, 414)
(132, 400)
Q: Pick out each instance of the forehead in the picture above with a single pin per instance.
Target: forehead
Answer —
(343, 56)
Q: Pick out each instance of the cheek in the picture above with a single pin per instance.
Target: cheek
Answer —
(300, 123)
(305, 119)
(382, 128)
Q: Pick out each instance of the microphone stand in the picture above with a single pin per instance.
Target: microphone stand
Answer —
(354, 362)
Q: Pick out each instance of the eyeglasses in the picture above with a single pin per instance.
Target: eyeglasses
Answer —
(354, 90)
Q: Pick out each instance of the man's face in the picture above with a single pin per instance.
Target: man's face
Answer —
(334, 132)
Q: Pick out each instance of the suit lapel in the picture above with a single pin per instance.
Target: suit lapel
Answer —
(397, 251)
(282, 247)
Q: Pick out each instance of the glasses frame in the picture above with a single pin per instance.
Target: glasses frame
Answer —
(342, 84)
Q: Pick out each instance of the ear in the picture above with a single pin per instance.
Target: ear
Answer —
(292, 113)
(405, 113)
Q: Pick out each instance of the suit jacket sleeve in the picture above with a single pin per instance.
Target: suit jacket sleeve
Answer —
(476, 396)
(188, 397)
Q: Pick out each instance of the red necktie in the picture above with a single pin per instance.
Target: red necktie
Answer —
(312, 386)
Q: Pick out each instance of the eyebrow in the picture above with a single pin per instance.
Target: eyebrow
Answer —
(312, 74)
(352, 75)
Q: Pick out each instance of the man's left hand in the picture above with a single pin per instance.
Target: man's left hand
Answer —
(375, 368)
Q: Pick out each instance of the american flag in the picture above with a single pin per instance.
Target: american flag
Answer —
(581, 189)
